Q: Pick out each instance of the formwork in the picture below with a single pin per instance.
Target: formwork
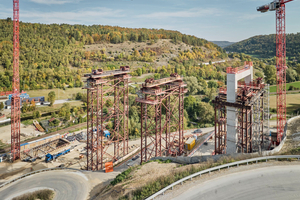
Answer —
(43, 149)
(32, 144)
(252, 123)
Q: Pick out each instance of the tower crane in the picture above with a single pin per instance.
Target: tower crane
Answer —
(279, 7)
(15, 100)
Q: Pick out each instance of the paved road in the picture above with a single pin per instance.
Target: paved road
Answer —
(63, 101)
(67, 185)
(276, 183)
(212, 62)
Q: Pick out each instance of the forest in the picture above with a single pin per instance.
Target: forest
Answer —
(264, 46)
(52, 56)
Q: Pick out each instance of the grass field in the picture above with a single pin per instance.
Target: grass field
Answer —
(292, 102)
(60, 94)
(295, 84)
(255, 55)
(141, 78)
(56, 107)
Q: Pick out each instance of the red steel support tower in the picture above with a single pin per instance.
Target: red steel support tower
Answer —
(162, 116)
(279, 6)
(15, 100)
(107, 110)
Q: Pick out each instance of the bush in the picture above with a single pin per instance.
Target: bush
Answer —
(78, 96)
(41, 194)
(36, 114)
(121, 177)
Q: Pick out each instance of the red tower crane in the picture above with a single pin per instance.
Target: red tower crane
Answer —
(279, 7)
(15, 100)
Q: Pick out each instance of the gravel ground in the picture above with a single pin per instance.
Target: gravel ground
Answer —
(292, 140)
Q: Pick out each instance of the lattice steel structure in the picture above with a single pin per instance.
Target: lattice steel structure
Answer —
(257, 122)
(279, 7)
(162, 113)
(244, 130)
(266, 114)
(250, 110)
(107, 109)
(15, 100)
(220, 127)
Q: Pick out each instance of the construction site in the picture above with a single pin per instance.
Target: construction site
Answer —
(242, 113)
(241, 116)
(241, 119)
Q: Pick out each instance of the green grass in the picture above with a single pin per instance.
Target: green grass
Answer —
(45, 109)
(60, 93)
(255, 55)
(3, 146)
(56, 107)
(292, 102)
(141, 78)
(295, 84)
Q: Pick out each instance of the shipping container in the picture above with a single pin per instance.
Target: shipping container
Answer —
(189, 144)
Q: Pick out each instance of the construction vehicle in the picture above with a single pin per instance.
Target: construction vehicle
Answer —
(49, 157)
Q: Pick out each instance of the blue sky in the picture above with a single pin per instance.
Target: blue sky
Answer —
(231, 20)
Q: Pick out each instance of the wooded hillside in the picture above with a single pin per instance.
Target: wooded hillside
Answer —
(264, 46)
(52, 56)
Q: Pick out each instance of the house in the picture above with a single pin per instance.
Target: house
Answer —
(38, 101)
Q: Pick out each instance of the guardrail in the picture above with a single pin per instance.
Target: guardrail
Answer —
(36, 172)
(218, 168)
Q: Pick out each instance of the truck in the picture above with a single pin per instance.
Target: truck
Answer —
(49, 157)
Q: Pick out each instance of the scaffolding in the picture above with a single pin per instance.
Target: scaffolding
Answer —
(252, 112)
(266, 115)
(220, 127)
(162, 112)
(107, 109)
(244, 130)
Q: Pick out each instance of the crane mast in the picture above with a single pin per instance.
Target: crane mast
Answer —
(279, 7)
(15, 100)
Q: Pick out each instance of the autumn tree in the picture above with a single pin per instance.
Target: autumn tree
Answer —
(24, 108)
(51, 97)
(32, 105)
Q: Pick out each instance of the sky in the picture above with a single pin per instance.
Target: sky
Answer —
(213, 20)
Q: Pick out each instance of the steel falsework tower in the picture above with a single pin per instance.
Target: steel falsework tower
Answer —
(15, 100)
(279, 7)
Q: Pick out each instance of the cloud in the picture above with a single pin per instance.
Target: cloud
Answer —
(58, 2)
(99, 15)
(249, 16)
(5, 12)
(194, 12)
